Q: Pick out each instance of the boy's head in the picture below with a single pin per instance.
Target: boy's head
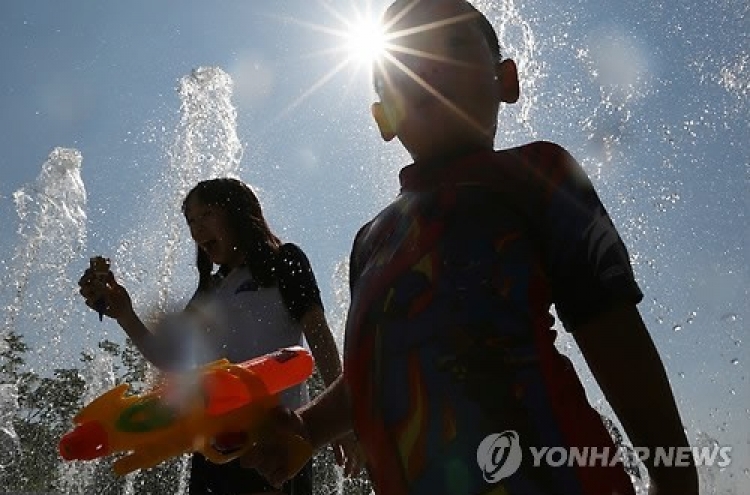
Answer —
(442, 79)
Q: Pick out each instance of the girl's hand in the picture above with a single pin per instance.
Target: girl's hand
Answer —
(104, 294)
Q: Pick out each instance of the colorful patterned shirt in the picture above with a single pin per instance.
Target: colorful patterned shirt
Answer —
(449, 337)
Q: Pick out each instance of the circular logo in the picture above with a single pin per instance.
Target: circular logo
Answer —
(499, 455)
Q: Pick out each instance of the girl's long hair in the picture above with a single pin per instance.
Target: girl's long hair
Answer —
(244, 216)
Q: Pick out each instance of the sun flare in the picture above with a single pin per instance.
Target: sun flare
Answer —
(359, 41)
(365, 41)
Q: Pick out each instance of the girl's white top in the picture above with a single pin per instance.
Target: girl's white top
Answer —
(238, 320)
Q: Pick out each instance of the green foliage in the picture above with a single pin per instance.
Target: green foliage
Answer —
(46, 406)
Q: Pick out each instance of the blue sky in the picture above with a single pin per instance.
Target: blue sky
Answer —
(652, 98)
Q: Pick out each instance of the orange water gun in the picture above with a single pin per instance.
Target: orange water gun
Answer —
(188, 412)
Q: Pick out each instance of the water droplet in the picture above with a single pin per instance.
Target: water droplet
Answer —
(677, 328)
(681, 374)
(730, 317)
(735, 361)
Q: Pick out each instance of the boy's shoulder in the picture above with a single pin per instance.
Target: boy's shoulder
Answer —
(539, 165)
(539, 145)
(542, 163)
(542, 153)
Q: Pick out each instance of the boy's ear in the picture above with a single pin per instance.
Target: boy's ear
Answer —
(507, 80)
(384, 124)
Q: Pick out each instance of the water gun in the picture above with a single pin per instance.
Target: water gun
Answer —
(188, 411)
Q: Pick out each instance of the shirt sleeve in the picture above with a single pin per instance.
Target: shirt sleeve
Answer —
(586, 259)
(356, 255)
(297, 284)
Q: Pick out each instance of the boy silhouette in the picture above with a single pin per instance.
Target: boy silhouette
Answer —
(449, 335)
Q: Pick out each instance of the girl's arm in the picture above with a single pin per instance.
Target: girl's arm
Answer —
(152, 348)
(322, 344)
(119, 306)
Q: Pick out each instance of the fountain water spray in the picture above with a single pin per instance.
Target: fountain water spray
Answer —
(52, 234)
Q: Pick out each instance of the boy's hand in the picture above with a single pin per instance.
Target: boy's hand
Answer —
(271, 457)
(94, 289)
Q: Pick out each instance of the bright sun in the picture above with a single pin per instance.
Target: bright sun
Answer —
(361, 39)
(365, 41)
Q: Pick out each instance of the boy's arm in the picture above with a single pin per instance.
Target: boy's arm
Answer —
(326, 354)
(622, 357)
(320, 422)
(328, 416)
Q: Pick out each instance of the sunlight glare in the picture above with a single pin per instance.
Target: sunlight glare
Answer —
(365, 41)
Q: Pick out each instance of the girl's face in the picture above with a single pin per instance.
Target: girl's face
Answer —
(210, 231)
